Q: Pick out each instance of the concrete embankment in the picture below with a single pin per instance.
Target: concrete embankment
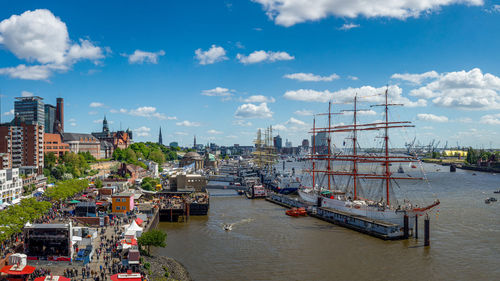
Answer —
(176, 271)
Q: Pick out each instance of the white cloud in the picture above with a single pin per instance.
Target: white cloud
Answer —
(181, 133)
(93, 112)
(362, 112)
(215, 132)
(72, 124)
(295, 122)
(464, 120)
(26, 94)
(40, 37)
(290, 12)
(242, 123)
(145, 111)
(304, 112)
(96, 104)
(347, 26)
(187, 123)
(492, 119)
(259, 99)
(232, 137)
(365, 94)
(354, 78)
(432, 117)
(309, 77)
(493, 9)
(263, 56)
(249, 110)
(142, 131)
(140, 57)
(225, 93)
(427, 128)
(416, 78)
(10, 112)
(469, 90)
(212, 55)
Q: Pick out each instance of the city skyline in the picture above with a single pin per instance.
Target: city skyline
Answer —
(222, 70)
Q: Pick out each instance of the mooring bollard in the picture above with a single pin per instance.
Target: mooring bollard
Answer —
(416, 226)
(427, 231)
(405, 228)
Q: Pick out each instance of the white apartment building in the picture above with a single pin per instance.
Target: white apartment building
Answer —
(11, 186)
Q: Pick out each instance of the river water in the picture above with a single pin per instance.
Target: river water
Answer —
(265, 244)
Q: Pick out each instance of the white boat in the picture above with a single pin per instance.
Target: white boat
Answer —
(228, 227)
(346, 195)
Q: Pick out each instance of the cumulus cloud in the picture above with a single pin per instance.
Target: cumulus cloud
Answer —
(181, 133)
(291, 125)
(225, 93)
(469, 90)
(140, 57)
(96, 104)
(187, 123)
(142, 131)
(145, 111)
(304, 112)
(10, 112)
(291, 12)
(26, 94)
(365, 94)
(242, 123)
(416, 78)
(295, 121)
(212, 55)
(42, 38)
(215, 132)
(347, 26)
(309, 77)
(491, 119)
(354, 78)
(250, 110)
(259, 99)
(432, 117)
(263, 56)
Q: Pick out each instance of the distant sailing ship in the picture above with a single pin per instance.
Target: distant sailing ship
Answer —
(348, 196)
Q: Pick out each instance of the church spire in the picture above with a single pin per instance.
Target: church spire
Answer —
(160, 140)
(105, 127)
(194, 142)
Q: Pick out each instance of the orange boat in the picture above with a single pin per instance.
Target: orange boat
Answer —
(293, 212)
(302, 211)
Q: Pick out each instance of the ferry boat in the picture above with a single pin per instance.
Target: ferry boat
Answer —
(354, 191)
(285, 184)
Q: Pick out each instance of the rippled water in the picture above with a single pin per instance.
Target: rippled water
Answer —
(265, 244)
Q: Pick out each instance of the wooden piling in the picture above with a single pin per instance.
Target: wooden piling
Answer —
(416, 226)
(427, 231)
(405, 227)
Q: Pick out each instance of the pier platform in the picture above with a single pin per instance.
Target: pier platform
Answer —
(375, 228)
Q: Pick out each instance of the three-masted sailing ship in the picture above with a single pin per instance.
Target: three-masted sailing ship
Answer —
(343, 190)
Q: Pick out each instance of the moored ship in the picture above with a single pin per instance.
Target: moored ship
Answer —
(362, 183)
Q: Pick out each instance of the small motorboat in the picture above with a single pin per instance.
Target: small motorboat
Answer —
(474, 174)
(293, 212)
(487, 201)
(228, 227)
(492, 199)
(496, 191)
(302, 211)
(414, 166)
(241, 192)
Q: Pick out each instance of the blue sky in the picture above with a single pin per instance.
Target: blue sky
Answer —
(259, 63)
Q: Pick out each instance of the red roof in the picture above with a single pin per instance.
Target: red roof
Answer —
(138, 221)
(132, 242)
(52, 278)
(18, 270)
(126, 277)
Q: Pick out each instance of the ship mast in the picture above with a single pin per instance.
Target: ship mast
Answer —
(355, 158)
(328, 168)
(314, 151)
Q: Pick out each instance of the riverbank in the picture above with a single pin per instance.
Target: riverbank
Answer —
(444, 162)
(175, 270)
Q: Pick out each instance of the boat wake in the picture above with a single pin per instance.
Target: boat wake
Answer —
(229, 226)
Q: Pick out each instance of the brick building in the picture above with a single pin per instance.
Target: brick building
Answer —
(83, 143)
(21, 144)
(53, 143)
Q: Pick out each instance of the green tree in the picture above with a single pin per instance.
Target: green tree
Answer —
(155, 238)
(157, 156)
(98, 183)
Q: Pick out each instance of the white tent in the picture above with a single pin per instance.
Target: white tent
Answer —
(134, 229)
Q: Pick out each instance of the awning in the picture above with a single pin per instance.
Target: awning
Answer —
(52, 278)
(126, 277)
(139, 221)
(18, 269)
(74, 202)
